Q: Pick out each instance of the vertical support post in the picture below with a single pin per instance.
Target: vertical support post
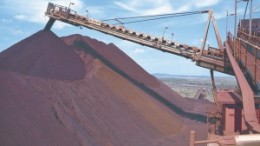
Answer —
(212, 80)
(214, 89)
(250, 18)
(172, 36)
(192, 137)
(219, 41)
(245, 56)
(245, 11)
(233, 38)
(255, 63)
(206, 32)
(239, 46)
(235, 49)
(235, 17)
(227, 23)
(164, 32)
(235, 26)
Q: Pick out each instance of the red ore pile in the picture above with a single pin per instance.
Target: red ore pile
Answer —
(77, 91)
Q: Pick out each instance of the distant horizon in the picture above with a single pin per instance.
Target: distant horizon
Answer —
(179, 75)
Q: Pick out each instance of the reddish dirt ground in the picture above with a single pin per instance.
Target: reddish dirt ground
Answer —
(79, 91)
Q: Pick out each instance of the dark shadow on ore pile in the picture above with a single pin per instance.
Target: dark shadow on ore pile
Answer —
(86, 48)
(79, 91)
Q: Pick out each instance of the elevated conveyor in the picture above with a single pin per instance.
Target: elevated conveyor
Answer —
(211, 59)
(222, 60)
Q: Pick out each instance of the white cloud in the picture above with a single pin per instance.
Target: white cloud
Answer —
(95, 11)
(20, 17)
(126, 45)
(205, 3)
(125, 6)
(60, 25)
(220, 15)
(148, 7)
(33, 10)
(198, 42)
(159, 10)
(138, 51)
(132, 49)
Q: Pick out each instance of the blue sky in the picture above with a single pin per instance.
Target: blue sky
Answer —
(20, 19)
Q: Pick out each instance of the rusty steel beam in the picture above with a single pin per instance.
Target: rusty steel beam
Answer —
(219, 41)
(206, 32)
(214, 89)
(247, 94)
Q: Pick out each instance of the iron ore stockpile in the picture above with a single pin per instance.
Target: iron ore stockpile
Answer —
(75, 90)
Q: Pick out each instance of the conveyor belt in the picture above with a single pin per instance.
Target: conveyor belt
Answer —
(211, 59)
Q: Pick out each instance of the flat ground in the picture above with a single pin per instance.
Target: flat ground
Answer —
(188, 86)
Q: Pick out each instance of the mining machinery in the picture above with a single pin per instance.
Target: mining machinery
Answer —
(237, 116)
